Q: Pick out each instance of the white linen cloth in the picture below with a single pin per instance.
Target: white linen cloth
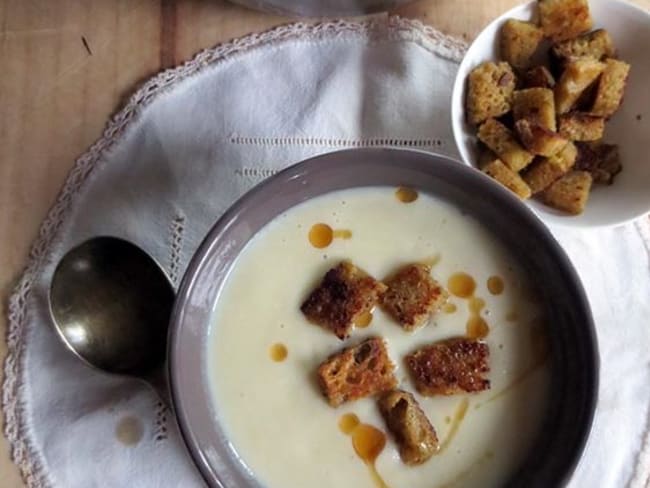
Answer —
(195, 138)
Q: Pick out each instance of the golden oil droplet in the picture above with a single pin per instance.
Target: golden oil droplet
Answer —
(342, 234)
(348, 422)
(368, 442)
(363, 320)
(320, 235)
(449, 307)
(476, 304)
(477, 328)
(278, 352)
(406, 195)
(461, 284)
(495, 285)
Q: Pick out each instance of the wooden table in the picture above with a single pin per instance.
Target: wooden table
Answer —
(68, 64)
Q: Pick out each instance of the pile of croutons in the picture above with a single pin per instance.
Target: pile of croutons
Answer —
(541, 124)
(410, 296)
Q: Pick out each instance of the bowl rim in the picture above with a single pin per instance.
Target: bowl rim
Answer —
(548, 215)
(184, 394)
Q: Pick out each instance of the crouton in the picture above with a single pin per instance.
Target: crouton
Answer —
(344, 294)
(539, 77)
(502, 141)
(519, 41)
(486, 157)
(415, 436)
(544, 171)
(611, 86)
(597, 45)
(570, 192)
(538, 139)
(601, 160)
(508, 178)
(564, 19)
(448, 367)
(536, 104)
(575, 79)
(413, 295)
(357, 372)
(490, 88)
(578, 126)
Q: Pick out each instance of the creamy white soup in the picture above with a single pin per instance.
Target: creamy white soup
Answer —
(264, 353)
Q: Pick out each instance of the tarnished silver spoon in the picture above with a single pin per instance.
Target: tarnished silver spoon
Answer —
(111, 303)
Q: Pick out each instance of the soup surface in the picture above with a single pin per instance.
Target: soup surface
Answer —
(263, 353)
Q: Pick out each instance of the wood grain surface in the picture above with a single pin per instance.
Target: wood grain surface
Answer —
(66, 66)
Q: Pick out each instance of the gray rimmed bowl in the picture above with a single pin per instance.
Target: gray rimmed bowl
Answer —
(574, 365)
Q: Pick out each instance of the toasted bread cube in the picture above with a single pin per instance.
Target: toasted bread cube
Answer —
(597, 45)
(344, 294)
(449, 367)
(564, 19)
(544, 171)
(502, 141)
(486, 157)
(519, 42)
(601, 160)
(357, 372)
(508, 178)
(538, 139)
(611, 88)
(539, 77)
(569, 193)
(415, 436)
(536, 104)
(578, 126)
(575, 79)
(413, 296)
(490, 88)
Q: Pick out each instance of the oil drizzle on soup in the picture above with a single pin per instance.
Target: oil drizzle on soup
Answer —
(459, 415)
(368, 443)
(406, 195)
(278, 352)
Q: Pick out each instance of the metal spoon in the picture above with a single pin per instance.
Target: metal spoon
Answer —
(111, 303)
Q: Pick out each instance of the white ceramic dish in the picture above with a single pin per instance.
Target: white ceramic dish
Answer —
(629, 196)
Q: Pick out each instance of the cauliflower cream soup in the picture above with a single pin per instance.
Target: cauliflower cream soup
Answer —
(264, 353)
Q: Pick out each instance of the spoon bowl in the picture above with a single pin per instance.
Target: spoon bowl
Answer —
(110, 303)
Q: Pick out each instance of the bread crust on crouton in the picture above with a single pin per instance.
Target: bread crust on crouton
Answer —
(611, 87)
(357, 372)
(597, 45)
(538, 139)
(539, 77)
(564, 19)
(570, 192)
(544, 171)
(415, 436)
(601, 160)
(508, 178)
(489, 91)
(535, 104)
(502, 141)
(344, 294)
(449, 367)
(580, 126)
(576, 78)
(519, 41)
(413, 296)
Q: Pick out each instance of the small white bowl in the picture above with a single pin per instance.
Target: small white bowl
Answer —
(629, 196)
